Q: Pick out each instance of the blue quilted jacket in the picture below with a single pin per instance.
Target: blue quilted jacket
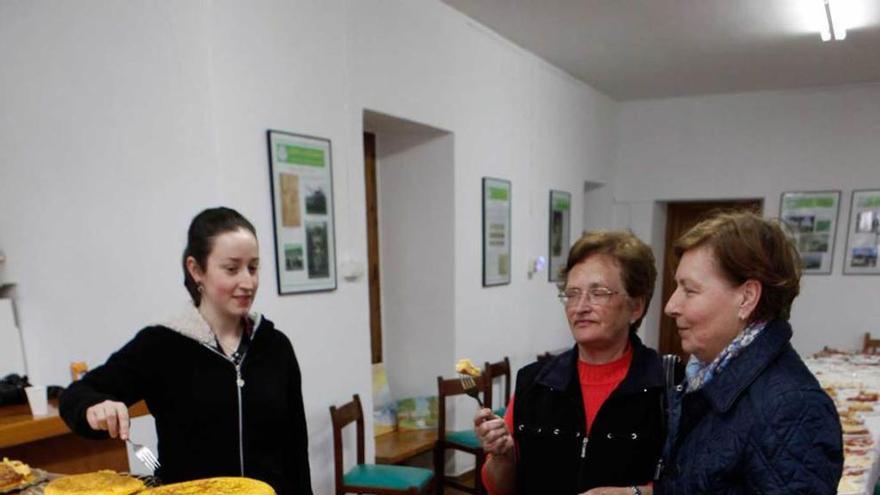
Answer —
(763, 425)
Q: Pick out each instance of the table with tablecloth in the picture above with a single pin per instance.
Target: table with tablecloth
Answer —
(853, 381)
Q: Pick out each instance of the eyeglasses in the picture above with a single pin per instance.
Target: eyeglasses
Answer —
(595, 296)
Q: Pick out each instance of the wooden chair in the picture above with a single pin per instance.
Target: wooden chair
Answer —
(463, 440)
(870, 346)
(371, 478)
(493, 371)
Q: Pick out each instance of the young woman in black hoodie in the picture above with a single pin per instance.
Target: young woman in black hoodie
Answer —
(221, 382)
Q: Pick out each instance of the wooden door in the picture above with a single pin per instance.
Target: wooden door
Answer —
(373, 247)
(679, 218)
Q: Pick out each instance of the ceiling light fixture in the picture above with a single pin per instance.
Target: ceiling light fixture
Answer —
(833, 27)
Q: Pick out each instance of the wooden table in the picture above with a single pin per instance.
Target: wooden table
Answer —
(47, 443)
(399, 445)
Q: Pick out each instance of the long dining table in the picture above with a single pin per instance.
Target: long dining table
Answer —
(853, 381)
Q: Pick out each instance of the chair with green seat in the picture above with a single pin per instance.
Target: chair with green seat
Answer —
(463, 440)
(493, 371)
(379, 479)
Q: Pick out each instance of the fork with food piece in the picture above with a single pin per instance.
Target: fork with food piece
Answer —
(468, 373)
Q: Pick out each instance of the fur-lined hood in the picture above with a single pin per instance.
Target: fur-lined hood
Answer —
(189, 323)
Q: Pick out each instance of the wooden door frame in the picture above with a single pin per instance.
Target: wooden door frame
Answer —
(372, 207)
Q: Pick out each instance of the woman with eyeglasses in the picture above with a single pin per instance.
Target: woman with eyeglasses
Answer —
(750, 417)
(589, 420)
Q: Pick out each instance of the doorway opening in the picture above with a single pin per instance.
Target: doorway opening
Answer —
(410, 237)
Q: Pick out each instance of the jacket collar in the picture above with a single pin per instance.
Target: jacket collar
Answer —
(189, 323)
(644, 371)
(728, 385)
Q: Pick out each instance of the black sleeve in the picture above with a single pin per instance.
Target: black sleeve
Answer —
(299, 463)
(121, 378)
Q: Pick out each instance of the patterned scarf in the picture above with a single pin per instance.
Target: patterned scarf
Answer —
(699, 374)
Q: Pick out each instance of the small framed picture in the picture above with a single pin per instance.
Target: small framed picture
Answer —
(811, 217)
(496, 232)
(863, 234)
(559, 234)
(301, 181)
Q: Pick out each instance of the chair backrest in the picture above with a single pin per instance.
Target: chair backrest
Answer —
(493, 371)
(450, 387)
(870, 346)
(340, 417)
(77, 370)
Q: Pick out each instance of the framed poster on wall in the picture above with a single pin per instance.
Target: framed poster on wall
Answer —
(301, 181)
(811, 217)
(863, 234)
(560, 233)
(496, 231)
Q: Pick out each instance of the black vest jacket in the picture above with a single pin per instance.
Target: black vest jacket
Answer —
(555, 455)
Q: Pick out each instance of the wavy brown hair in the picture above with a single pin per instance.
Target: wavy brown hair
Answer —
(746, 246)
(634, 257)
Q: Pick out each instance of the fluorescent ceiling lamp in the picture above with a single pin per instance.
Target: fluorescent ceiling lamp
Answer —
(833, 25)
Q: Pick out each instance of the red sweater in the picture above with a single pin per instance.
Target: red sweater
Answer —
(597, 382)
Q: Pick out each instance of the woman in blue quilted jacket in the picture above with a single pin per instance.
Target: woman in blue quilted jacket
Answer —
(749, 417)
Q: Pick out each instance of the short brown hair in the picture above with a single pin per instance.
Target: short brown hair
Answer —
(746, 247)
(635, 258)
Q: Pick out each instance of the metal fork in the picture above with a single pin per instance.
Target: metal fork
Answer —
(150, 481)
(470, 387)
(145, 455)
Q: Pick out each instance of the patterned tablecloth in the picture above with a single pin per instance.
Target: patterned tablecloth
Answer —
(853, 381)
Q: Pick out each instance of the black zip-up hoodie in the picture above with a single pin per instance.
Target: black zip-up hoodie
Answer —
(212, 418)
(625, 440)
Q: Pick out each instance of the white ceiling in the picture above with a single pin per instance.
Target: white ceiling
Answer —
(639, 49)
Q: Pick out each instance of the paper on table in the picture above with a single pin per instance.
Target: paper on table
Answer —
(37, 400)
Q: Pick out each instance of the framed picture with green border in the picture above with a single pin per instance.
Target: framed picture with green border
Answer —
(811, 218)
(863, 233)
(496, 232)
(301, 184)
(559, 234)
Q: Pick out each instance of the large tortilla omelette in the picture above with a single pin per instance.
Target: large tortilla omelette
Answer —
(214, 486)
(98, 483)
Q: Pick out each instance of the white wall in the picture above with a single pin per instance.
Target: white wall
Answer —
(647, 220)
(598, 208)
(514, 117)
(280, 64)
(120, 120)
(760, 145)
(106, 150)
